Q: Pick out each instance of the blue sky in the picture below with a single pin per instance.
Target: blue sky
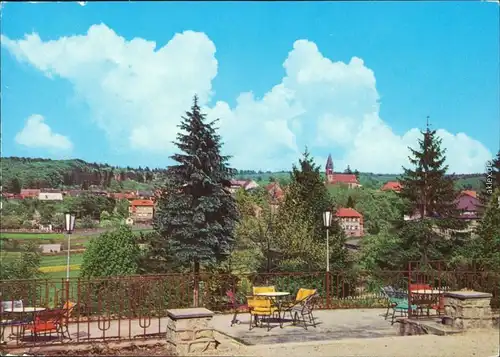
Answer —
(108, 82)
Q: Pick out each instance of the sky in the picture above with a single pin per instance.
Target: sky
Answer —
(109, 81)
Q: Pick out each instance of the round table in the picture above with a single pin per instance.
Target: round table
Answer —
(17, 311)
(427, 292)
(21, 310)
(274, 296)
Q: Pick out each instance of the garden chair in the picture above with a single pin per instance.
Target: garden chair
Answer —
(263, 289)
(6, 321)
(302, 307)
(260, 307)
(398, 302)
(236, 306)
(48, 322)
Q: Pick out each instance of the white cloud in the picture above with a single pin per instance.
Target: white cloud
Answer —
(138, 91)
(37, 134)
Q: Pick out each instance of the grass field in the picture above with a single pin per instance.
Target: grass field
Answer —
(31, 236)
(55, 260)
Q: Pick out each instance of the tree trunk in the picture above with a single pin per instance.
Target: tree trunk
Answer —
(196, 289)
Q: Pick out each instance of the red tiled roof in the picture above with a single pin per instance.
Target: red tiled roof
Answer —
(469, 193)
(275, 190)
(342, 178)
(348, 212)
(142, 203)
(391, 185)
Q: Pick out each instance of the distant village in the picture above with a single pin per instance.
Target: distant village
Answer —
(142, 203)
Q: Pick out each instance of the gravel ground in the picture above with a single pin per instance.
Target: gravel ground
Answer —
(481, 344)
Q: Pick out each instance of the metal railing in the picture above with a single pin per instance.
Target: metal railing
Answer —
(135, 307)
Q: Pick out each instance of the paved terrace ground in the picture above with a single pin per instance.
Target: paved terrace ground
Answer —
(339, 333)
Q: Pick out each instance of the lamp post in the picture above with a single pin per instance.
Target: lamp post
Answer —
(327, 222)
(69, 226)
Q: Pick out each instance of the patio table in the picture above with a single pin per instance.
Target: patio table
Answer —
(275, 297)
(17, 311)
(426, 298)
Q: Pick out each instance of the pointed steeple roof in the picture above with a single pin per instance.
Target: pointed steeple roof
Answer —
(329, 163)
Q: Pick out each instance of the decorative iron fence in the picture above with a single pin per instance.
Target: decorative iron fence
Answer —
(131, 307)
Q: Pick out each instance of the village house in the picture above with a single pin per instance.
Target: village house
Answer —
(468, 204)
(124, 196)
(50, 196)
(244, 184)
(29, 193)
(351, 222)
(391, 186)
(276, 193)
(141, 210)
(332, 178)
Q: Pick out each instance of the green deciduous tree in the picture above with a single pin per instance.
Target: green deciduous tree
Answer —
(196, 214)
(112, 253)
(299, 224)
(26, 267)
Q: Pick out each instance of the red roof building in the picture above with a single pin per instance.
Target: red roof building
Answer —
(142, 210)
(351, 221)
(335, 179)
(275, 192)
(391, 186)
(29, 193)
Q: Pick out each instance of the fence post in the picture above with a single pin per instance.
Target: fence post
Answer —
(409, 291)
(327, 287)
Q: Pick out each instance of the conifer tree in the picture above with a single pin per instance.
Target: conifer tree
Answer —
(426, 188)
(350, 202)
(196, 214)
(429, 193)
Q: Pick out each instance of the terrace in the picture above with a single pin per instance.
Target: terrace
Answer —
(135, 308)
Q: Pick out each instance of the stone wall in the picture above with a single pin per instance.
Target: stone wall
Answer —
(468, 309)
(191, 330)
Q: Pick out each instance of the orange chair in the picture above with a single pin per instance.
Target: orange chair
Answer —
(47, 322)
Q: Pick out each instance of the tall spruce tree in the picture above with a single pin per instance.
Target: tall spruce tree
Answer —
(196, 214)
(426, 188)
(430, 194)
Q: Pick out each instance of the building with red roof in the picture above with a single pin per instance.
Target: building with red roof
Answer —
(351, 222)
(333, 178)
(391, 186)
(142, 210)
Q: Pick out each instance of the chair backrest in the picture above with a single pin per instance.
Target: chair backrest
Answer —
(50, 315)
(68, 308)
(303, 294)
(231, 296)
(263, 289)
(258, 302)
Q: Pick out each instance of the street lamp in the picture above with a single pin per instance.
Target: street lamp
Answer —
(69, 227)
(327, 222)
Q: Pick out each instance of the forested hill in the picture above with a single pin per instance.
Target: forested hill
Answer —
(47, 173)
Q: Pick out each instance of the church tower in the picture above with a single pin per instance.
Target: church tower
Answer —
(329, 165)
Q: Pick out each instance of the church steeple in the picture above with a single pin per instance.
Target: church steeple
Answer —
(329, 165)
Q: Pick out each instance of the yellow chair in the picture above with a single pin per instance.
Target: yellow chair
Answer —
(302, 307)
(260, 307)
(263, 289)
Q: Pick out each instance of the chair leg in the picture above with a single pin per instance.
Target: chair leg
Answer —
(311, 318)
(251, 322)
(393, 316)
(234, 320)
(387, 312)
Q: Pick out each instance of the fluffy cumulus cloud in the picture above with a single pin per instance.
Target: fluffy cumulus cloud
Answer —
(37, 134)
(138, 91)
